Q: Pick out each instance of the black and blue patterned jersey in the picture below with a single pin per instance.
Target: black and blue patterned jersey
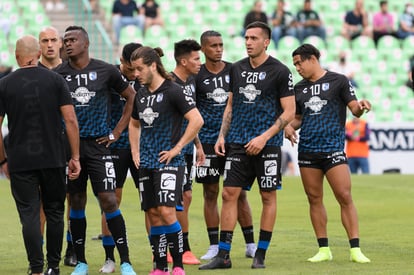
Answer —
(117, 107)
(190, 91)
(91, 89)
(256, 99)
(161, 114)
(322, 105)
(212, 92)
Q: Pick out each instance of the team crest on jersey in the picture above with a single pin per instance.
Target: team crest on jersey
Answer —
(262, 75)
(82, 95)
(93, 75)
(316, 104)
(325, 86)
(219, 95)
(160, 97)
(227, 78)
(148, 116)
(250, 92)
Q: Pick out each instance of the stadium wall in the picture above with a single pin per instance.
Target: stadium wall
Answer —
(392, 148)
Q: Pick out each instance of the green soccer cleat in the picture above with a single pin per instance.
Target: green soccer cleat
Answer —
(357, 256)
(324, 254)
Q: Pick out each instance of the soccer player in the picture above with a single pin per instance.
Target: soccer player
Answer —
(32, 98)
(120, 150)
(212, 92)
(260, 104)
(156, 146)
(322, 98)
(91, 82)
(50, 45)
(187, 58)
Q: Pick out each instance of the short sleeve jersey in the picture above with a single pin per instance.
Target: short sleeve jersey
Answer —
(117, 108)
(31, 98)
(322, 105)
(91, 90)
(190, 91)
(256, 99)
(160, 114)
(212, 92)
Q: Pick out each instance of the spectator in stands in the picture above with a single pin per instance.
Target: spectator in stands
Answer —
(409, 82)
(342, 66)
(383, 22)
(406, 22)
(5, 23)
(255, 14)
(283, 22)
(124, 13)
(152, 13)
(309, 23)
(356, 22)
(357, 147)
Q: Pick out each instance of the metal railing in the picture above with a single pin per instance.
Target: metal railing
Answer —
(101, 46)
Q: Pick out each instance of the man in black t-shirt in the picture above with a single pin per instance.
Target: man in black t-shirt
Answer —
(35, 100)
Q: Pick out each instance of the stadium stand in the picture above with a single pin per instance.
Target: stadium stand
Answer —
(382, 70)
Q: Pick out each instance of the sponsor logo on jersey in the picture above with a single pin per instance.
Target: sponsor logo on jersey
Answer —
(315, 103)
(148, 116)
(249, 92)
(82, 95)
(219, 95)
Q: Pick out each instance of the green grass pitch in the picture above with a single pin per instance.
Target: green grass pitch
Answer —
(385, 206)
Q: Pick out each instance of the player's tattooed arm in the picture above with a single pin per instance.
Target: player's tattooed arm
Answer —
(281, 123)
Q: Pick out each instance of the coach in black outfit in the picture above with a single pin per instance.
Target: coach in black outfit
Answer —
(35, 101)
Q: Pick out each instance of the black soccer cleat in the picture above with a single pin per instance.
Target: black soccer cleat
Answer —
(258, 262)
(70, 258)
(52, 271)
(216, 263)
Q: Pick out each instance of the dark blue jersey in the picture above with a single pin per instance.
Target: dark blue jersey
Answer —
(212, 92)
(256, 99)
(117, 107)
(190, 91)
(161, 114)
(322, 105)
(91, 94)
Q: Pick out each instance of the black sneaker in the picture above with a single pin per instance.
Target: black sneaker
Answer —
(215, 263)
(258, 262)
(52, 271)
(70, 258)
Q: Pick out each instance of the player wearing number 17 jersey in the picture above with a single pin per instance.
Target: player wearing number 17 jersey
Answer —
(261, 103)
(156, 143)
(91, 82)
